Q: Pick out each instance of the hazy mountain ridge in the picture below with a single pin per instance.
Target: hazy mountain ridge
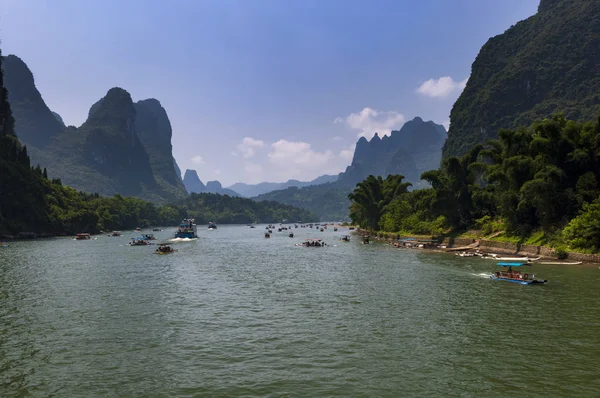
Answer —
(193, 184)
(547, 63)
(410, 151)
(250, 190)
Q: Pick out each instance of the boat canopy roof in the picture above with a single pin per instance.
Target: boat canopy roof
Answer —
(503, 264)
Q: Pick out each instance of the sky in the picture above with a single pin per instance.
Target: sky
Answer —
(259, 90)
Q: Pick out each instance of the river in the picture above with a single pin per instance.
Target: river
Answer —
(235, 314)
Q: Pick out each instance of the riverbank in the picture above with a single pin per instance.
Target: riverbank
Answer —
(446, 244)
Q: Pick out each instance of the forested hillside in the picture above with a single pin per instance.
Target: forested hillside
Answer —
(543, 179)
(545, 64)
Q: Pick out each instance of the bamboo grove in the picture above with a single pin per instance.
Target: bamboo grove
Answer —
(539, 179)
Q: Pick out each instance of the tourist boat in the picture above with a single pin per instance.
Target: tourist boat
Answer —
(212, 225)
(116, 233)
(164, 249)
(509, 275)
(83, 237)
(312, 243)
(139, 242)
(187, 229)
(148, 237)
(345, 238)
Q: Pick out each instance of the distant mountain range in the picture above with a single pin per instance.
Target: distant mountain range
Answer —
(410, 151)
(250, 190)
(123, 147)
(193, 184)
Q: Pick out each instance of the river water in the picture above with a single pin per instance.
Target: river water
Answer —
(234, 314)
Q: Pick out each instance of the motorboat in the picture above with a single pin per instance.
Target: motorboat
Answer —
(291, 235)
(115, 233)
(510, 275)
(345, 238)
(212, 225)
(164, 249)
(83, 237)
(187, 229)
(267, 235)
(312, 243)
(139, 242)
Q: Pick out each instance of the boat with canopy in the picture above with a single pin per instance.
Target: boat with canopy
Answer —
(516, 276)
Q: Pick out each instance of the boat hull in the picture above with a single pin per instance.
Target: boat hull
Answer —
(188, 235)
(519, 281)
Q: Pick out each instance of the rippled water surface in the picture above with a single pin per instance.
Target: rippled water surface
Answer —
(235, 314)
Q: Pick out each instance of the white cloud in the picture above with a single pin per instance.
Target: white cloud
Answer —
(217, 172)
(247, 147)
(442, 87)
(198, 160)
(370, 121)
(336, 138)
(348, 153)
(298, 153)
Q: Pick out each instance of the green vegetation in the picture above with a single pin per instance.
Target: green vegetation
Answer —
(328, 201)
(539, 66)
(536, 185)
(205, 207)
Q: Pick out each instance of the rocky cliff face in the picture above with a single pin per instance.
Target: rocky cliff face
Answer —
(35, 123)
(105, 154)
(545, 64)
(410, 151)
(192, 182)
(112, 147)
(154, 131)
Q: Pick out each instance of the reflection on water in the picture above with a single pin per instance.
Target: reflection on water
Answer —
(235, 314)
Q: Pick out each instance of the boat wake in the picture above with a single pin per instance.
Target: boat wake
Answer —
(482, 275)
(178, 240)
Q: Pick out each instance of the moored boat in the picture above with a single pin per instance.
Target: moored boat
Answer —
(187, 229)
(510, 275)
(365, 240)
(345, 238)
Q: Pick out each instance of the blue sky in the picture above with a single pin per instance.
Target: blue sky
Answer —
(259, 90)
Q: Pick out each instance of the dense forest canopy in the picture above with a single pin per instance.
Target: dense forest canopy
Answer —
(543, 178)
